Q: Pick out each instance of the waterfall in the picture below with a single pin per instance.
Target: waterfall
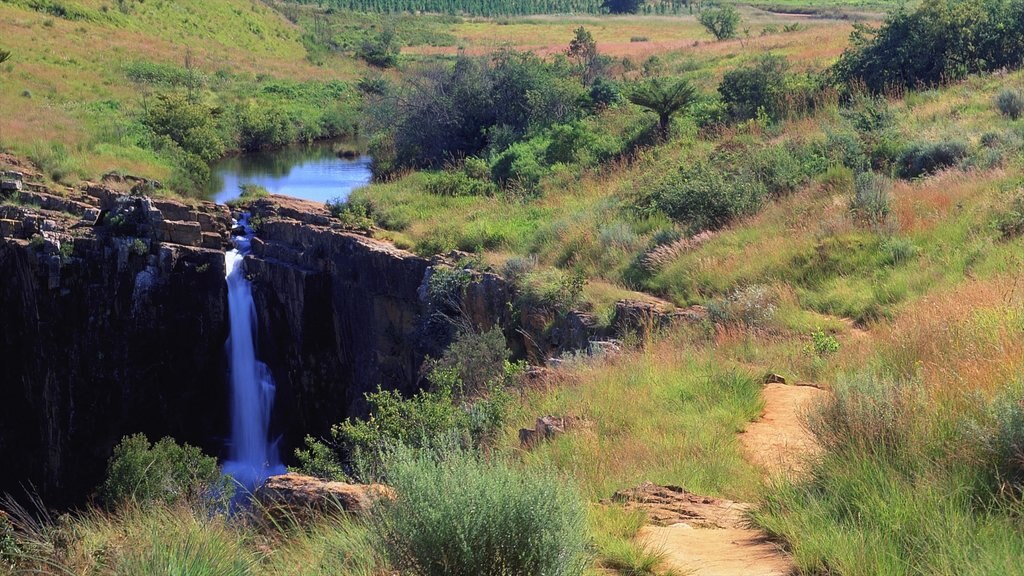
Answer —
(253, 457)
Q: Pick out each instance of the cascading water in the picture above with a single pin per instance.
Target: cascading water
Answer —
(253, 457)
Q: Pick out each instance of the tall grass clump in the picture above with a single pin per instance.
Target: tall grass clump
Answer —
(870, 201)
(56, 161)
(913, 480)
(1010, 103)
(463, 515)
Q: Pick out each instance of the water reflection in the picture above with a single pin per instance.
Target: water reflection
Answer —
(312, 172)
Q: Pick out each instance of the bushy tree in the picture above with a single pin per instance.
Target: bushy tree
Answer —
(760, 86)
(191, 126)
(665, 97)
(939, 41)
(721, 22)
(444, 113)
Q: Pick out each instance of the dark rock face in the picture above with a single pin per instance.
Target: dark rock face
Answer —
(103, 334)
(339, 314)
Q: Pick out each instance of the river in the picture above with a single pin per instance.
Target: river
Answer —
(311, 172)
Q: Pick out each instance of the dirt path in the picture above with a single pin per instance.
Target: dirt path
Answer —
(778, 442)
(706, 536)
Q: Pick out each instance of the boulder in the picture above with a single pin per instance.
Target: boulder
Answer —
(295, 496)
(773, 378)
(546, 428)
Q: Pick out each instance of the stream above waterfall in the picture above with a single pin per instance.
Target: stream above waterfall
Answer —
(310, 172)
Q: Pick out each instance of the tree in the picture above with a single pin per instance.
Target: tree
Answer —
(583, 49)
(622, 6)
(721, 22)
(665, 98)
(381, 51)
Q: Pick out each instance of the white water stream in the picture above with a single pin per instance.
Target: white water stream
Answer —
(253, 457)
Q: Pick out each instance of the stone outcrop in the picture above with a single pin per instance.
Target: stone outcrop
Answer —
(106, 328)
(291, 496)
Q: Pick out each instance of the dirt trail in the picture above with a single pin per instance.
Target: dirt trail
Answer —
(778, 442)
(711, 537)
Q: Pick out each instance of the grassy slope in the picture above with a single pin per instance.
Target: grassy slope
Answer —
(66, 82)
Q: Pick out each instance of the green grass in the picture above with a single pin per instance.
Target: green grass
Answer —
(905, 470)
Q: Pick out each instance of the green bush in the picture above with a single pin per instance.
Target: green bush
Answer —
(1010, 222)
(351, 214)
(464, 516)
(521, 165)
(760, 86)
(822, 344)
(320, 460)
(192, 126)
(704, 196)
(1010, 103)
(477, 360)
(934, 42)
(783, 168)
(382, 50)
(458, 183)
(721, 22)
(262, 127)
(165, 472)
(920, 158)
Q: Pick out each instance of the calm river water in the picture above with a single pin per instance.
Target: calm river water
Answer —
(311, 172)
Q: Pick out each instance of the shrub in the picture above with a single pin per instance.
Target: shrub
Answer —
(165, 472)
(1010, 223)
(458, 183)
(847, 150)
(782, 169)
(898, 251)
(753, 306)
(464, 516)
(920, 159)
(1010, 103)
(430, 421)
(759, 86)
(822, 344)
(320, 460)
(721, 22)
(476, 359)
(870, 201)
(351, 214)
(382, 50)
(937, 41)
(704, 197)
(262, 127)
(191, 126)
(520, 166)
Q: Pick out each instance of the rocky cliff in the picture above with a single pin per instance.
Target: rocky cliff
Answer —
(115, 317)
(112, 320)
